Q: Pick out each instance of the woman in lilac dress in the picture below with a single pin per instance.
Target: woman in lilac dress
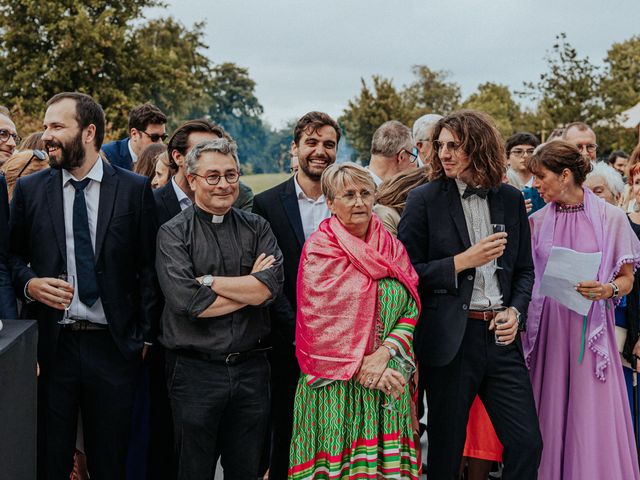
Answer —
(576, 371)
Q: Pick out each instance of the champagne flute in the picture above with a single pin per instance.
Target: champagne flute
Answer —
(497, 228)
(71, 280)
(406, 369)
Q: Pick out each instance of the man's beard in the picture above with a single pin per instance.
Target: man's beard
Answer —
(71, 154)
(304, 166)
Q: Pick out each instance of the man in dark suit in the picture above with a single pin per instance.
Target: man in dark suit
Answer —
(447, 230)
(146, 126)
(7, 296)
(95, 224)
(294, 209)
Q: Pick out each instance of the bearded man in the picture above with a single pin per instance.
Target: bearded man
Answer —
(83, 239)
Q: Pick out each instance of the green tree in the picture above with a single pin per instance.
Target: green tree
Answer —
(621, 81)
(431, 92)
(570, 89)
(369, 110)
(496, 100)
(102, 48)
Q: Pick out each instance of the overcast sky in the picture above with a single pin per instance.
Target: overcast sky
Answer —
(310, 55)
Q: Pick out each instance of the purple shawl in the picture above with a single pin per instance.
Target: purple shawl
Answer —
(618, 244)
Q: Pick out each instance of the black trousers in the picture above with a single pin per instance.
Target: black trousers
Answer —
(218, 409)
(499, 376)
(90, 375)
(285, 374)
(162, 462)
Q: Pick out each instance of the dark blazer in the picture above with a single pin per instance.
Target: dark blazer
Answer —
(118, 154)
(433, 230)
(166, 202)
(279, 206)
(125, 254)
(7, 297)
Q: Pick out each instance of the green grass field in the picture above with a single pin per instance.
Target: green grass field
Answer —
(264, 181)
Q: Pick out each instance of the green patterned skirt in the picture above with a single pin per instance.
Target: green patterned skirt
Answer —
(341, 429)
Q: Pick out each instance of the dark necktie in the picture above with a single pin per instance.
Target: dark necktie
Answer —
(85, 263)
(481, 192)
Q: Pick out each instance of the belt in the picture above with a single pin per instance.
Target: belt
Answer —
(228, 358)
(84, 326)
(486, 315)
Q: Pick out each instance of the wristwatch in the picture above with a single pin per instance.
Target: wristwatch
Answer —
(392, 351)
(518, 315)
(207, 280)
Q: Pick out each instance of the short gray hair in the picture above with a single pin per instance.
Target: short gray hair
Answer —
(337, 175)
(390, 138)
(611, 177)
(219, 145)
(424, 123)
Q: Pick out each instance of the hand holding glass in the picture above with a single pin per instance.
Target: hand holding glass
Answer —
(406, 370)
(71, 280)
(497, 228)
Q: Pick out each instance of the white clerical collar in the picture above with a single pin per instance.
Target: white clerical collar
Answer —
(134, 157)
(217, 218)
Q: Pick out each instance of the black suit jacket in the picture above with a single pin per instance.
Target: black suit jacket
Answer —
(279, 206)
(433, 230)
(7, 297)
(125, 254)
(167, 205)
(118, 153)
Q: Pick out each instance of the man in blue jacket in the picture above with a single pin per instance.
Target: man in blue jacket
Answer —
(146, 126)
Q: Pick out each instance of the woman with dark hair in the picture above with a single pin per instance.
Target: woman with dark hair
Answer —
(575, 369)
(33, 141)
(392, 196)
(146, 164)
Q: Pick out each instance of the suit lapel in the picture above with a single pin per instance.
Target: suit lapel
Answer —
(290, 205)
(170, 200)
(108, 188)
(56, 209)
(455, 209)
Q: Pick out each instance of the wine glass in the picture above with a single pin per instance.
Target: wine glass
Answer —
(71, 280)
(406, 369)
(497, 228)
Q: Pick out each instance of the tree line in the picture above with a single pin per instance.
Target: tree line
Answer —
(108, 49)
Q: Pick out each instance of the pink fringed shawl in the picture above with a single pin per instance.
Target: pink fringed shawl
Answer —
(337, 295)
(618, 245)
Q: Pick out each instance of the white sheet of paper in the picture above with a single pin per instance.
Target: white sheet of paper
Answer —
(565, 269)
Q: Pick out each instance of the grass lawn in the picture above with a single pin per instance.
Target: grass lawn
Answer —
(264, 181)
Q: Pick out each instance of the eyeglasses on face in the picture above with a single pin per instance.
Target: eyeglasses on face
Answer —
(412, 156)
(590, 147)
(37, 154)
(520, 152)
(155, 137)
(214, 179)
(6, 134)
(451, 146)
(350, 197)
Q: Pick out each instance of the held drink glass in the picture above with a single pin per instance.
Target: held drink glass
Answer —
(71, 280)
(497, 228)
(499, 322)
(406, 370)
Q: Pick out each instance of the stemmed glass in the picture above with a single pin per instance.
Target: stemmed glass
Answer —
(71, 280)
(406, 370)
(497, 228)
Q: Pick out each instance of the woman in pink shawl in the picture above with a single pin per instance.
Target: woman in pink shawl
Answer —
(576, 372)
(357, 309)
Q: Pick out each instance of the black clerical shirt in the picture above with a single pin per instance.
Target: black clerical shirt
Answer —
(191, 245)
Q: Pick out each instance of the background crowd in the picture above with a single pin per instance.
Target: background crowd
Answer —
(297, 333)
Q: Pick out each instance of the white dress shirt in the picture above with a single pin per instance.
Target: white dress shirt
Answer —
(486, 293)
(312, 212)
(134, 157)
(79, 310)
(183, 200)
